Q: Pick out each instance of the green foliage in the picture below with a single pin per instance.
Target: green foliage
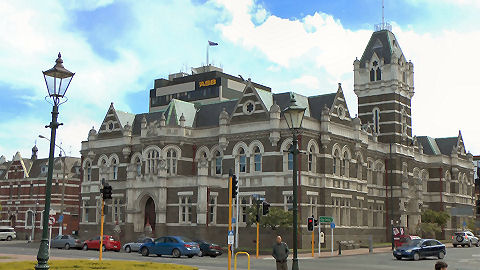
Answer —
(275, 219)
(433, 222)
(471, 225)
(94, 264)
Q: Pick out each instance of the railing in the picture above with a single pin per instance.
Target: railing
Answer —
(235, 260)
(383, 26)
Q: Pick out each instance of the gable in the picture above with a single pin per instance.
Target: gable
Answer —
(111, 122)
(339, 109)
(251, 107)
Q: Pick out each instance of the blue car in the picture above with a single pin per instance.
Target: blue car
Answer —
(171, 245)
(420, 248)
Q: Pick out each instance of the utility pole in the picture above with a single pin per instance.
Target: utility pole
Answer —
(230, 180)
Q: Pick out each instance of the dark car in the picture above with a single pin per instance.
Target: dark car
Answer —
(420, 248)
(66, 242)
(208, 249)
(135, 246)
(171, 245)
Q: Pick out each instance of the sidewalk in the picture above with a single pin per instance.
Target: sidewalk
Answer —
(19, 257)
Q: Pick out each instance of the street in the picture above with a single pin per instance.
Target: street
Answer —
(457, 258)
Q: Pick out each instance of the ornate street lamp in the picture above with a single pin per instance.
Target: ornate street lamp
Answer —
(57, 80)
(294, 116)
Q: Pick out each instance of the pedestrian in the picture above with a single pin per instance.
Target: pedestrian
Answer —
(441, 265)
(280, 253)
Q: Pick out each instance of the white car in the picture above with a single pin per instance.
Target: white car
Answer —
(465, 238)
(7, 233)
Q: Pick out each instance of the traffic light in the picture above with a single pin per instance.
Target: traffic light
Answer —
(106, 192)
(265, 208)
(315, 223)
(234, 186)
(310, 224)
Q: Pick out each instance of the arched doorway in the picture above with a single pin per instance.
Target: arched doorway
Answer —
(150, 216)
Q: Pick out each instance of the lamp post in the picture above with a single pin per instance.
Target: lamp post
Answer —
(57, 80)
(60, 231)
(294, 117)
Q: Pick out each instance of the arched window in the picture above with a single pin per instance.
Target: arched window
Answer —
(152, 161)
(290, 161)
(336, 162)
(218, 163)
(242, 161)
(138, 165)
(376, 120)
(114, 169)
(379, 74)
(345, 164)
(369, 172)
(372, 75)
(171, 162)
(311, 162)
(257, 159)
(29, 218)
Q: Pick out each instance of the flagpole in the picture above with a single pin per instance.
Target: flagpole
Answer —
(208, 45)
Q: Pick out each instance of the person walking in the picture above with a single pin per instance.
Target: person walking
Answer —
(280, 253)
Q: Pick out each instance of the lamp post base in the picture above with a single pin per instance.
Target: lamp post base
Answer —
(295, 264)
(42, 256)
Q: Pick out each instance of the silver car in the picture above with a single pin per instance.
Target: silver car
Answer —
(465, 238)
(66, 242)
(7, 233)
(135, 246)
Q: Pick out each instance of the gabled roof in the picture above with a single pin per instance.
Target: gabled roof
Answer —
(384, 44)
(446, 144)
(150, 117)
(124, 118)
(317, 103)
(178, 107)
(283, 101)
(207, 115)
(438, 146)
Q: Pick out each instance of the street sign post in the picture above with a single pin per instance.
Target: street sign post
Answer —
(51, 221)
(60, 219)
(332, 226)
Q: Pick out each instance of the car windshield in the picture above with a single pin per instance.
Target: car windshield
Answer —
(185, 239)
(414, 243)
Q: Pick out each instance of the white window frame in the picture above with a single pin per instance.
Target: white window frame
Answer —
(212, 209)
(185, 209)
(172, 161)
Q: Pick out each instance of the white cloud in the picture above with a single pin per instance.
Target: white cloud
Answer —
(307, 81)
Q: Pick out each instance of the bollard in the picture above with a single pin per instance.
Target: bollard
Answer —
(339, 248)
(370, 244)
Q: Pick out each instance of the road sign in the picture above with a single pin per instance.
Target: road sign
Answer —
(332, 225)
(230, 238)
(464, 224)
(234, 220)
(322, 237)
(325, 219)
(51, 220)
(60, 219)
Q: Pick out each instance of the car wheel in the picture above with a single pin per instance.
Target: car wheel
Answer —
(454, 245)
(67, 246)
(477, 244)
(85, 247)
(128, 249)
(398, 257)
(104, 248)
(159, 255)
(441, 255)
(416, 256)
(176, 253)
(9, 238)
(200, 254)
(145, 251)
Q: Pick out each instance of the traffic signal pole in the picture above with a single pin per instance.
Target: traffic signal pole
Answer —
(101, 231)
(313, 243)
(230, 218)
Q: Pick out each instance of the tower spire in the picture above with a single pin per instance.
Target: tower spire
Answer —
(383, 25)
(383, 13)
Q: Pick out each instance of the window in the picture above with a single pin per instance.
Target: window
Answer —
(114, 169)
(369, 172)
(85, 209)
(185, 209)
(379, 74)
(336, 162)
(242, 164)
(288, 202)
(359, 168)
(218, 163)
(152, 161)
(257, 159)
(138, 164)
(116, 213)
(29, 219)
(372, 75)
(376, 118)
(345, 165)
(404, 77)
(31, 189)
(171, 162)
(212, 210)
(311, 162)
(89, 171)
(290, 161)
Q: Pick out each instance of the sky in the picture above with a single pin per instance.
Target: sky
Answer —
(118, 48)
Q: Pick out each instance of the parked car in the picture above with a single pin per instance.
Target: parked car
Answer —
(109, 243)
(465, 238)
(171, 245)
(7, 233)
(208, 249)
(420, 248)
(66, 242)
(135, 246)
(405, 239)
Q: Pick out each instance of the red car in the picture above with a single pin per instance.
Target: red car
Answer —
(404, 239)
(108, 244)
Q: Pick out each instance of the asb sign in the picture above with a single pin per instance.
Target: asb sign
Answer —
(207, 83)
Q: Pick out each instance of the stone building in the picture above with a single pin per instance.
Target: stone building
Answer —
(22, 194)
(169, 167)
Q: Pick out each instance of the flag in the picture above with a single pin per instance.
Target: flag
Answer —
(211, 43)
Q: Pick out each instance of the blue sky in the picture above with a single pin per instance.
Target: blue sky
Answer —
(118, 48)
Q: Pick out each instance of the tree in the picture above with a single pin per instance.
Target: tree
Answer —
(433, 222)
(277, 218)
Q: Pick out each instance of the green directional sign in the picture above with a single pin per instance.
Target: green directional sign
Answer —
(325, 219)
